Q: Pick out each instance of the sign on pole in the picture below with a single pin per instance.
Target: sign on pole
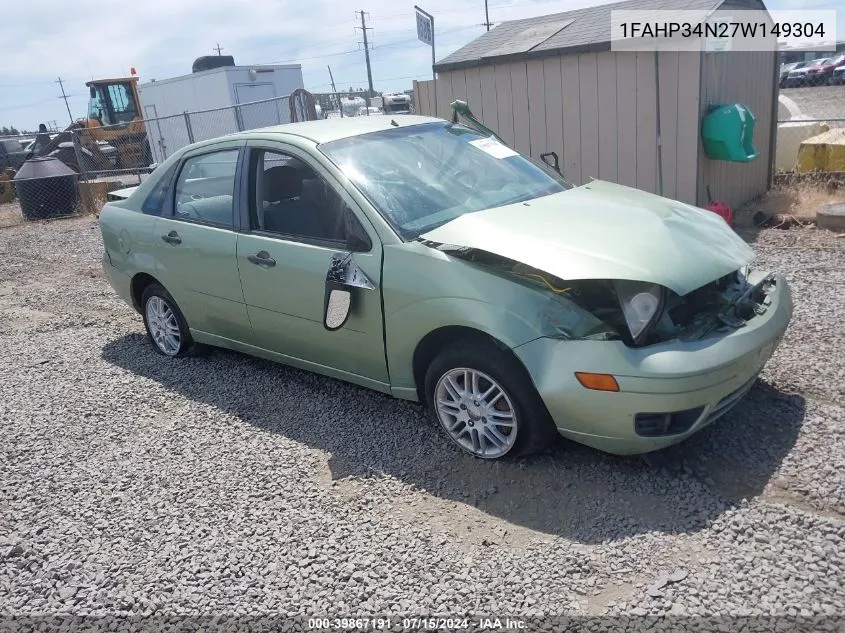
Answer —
(425, 29)
(425, 33)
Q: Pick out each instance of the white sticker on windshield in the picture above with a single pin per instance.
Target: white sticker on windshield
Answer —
(493, 147)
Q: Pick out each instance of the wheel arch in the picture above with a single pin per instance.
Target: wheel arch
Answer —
(139, 283)
(439, 339)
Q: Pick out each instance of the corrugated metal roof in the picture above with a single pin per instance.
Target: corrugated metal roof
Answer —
(589, 29)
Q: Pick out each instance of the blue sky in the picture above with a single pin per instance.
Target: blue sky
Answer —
(161, 38)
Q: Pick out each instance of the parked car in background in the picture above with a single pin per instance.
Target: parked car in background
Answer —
(785, 69)
(825, 74)
(838, 76)
(12, 155)
(797, 77)
(427, 260)
(816, 75)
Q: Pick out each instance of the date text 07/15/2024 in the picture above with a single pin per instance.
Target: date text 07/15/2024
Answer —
(416, 623)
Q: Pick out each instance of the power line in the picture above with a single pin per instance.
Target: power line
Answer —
(26, 105)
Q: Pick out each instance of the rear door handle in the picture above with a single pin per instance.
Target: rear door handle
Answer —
(172, 238)
(262, 258)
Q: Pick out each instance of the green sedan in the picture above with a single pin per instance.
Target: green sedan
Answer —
(428, 260)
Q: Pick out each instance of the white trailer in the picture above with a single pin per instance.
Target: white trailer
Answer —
(210, 96)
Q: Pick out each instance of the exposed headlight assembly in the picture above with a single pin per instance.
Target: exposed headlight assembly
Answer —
(642, 305)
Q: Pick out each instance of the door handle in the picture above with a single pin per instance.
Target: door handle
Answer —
(262, 258)
(172, 238)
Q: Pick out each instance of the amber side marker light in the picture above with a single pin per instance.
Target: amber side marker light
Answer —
(599, 382)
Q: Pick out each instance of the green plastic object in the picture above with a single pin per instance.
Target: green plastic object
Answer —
(727, 133)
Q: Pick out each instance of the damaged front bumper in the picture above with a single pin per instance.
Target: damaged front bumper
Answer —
(687, 384)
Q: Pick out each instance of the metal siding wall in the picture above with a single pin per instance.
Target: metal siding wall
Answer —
(571, 118)
(554, 107)
(459, 87)
(646, 123)
(588, 81)
(488, 97)
(747, 78)
(474, 100)
(521, 128)
(444, 95)
(626, 118)
(607, 119)
(597, 111)
(538, 131)
(668, 73)
(688, 124)
(504, 98)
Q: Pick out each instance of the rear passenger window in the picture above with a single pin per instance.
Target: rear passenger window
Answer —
(205, 188)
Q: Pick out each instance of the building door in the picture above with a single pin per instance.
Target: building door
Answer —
(255, 115)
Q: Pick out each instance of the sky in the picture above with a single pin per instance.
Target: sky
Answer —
(161, 38)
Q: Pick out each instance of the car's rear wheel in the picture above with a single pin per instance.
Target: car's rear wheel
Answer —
(166, 326)
(486, 403)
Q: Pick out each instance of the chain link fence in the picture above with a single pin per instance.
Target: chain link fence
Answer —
(811, 117)
(79, 166)
(85, 164)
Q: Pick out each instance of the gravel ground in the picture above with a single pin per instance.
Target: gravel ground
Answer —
(820, 102)
(131, 485)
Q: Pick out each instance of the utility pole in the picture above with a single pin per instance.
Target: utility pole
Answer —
(365, 28)
(334, 90)
(487, 22)
(64, 96)
(218, 49)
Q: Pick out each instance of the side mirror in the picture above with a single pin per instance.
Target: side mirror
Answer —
(550, 158)
(92, 92)
(343, 275)
(337, 303)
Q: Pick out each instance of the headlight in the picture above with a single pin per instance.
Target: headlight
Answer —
(641, 304)
(563, 318)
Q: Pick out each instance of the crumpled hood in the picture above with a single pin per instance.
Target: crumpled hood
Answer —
(606, 231)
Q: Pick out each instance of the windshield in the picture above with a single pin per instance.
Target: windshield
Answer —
(112, 104)
(422, 176)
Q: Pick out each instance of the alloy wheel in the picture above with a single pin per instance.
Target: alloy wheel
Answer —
(163, 326)
(476, 412)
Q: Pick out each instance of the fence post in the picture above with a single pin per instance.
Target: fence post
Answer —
(80, 156)
(238, 118)
(188, 127)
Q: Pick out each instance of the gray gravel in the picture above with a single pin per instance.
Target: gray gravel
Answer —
(131, 485)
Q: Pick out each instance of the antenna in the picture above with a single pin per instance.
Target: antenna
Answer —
(219, 50)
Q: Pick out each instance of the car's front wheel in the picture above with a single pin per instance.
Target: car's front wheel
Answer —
(486, 403)
(166, 326)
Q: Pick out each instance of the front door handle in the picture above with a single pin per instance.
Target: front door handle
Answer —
(262, 258)
(172, 238)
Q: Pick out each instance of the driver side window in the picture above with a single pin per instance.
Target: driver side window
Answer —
(291, 199)
(205, 188)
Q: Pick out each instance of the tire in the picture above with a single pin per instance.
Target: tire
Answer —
(483, 431)
(162, 316)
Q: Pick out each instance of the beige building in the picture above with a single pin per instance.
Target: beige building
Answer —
(565, 91)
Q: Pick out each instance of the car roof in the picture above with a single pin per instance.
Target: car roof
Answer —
(325, 130)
